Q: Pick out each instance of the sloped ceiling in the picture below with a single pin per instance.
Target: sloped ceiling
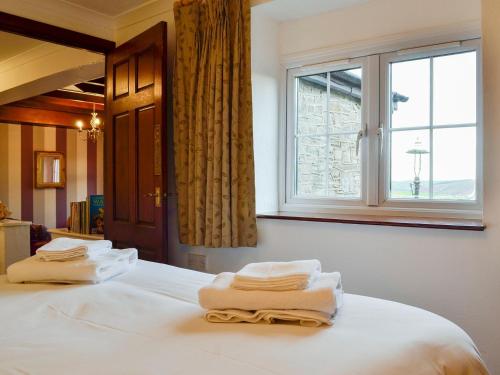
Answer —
(109, 7)
(12, 45)
(280, 10)
(284, 10)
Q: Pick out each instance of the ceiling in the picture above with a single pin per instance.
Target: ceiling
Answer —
(284, 10)
(92, 87)
(12, 44)
(64, 107)
(280, 10)
(109, 7)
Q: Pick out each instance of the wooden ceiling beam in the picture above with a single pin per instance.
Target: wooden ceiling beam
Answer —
(50, 33)
(75, 96)
(91, 88)
(58, 104)
(98, 80)
(35, 116)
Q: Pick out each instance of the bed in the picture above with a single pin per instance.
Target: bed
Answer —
(148, 322)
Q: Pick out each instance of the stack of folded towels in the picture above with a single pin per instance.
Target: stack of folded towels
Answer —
(271, 292)
(72, 261)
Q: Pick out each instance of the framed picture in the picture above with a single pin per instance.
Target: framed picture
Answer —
(50, 170)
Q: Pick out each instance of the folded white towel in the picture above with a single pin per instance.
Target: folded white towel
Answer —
(278, 276)
(324, 295)
(93, 270)
(303, 317)
(64, 248)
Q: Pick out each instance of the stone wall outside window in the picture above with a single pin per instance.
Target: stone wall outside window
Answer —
(327, 164)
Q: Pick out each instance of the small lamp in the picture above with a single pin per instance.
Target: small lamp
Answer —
(417, 151)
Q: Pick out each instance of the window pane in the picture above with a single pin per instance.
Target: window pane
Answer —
(344, 167)
(410, 93)
(311, 166)
(345, 101)
(311, 104)
(454, 163)
(410, 164)
(326, 160)
(455, 89)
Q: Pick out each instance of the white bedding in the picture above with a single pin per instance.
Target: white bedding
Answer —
(148, 322)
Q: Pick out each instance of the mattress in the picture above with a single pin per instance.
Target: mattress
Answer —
(148, 322)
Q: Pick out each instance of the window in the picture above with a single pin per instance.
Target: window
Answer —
(397, 130)
(328, 122)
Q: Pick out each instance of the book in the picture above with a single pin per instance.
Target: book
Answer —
(96, 214)
(74, 217)
(87, 217)
(76, 220)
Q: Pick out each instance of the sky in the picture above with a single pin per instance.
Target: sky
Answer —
(454, 103)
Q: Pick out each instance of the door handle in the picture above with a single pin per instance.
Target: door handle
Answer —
(156, 195)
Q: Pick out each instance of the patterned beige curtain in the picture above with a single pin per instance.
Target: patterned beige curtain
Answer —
(213, 139)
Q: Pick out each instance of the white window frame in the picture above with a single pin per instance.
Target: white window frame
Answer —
(291, 126)
(375, 147)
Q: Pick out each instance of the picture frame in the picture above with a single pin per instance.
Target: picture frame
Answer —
(50, 170)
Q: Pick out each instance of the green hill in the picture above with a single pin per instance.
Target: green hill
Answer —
(457, 189)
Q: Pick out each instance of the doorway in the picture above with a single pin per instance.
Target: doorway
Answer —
(134, 168)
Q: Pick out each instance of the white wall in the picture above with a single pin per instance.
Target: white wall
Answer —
(266, 85)
(490, 277)
(373, 19)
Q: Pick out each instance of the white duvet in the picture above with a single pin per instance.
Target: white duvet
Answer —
(148, 322)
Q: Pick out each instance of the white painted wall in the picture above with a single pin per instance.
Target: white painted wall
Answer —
(374, 19)
(266, 85)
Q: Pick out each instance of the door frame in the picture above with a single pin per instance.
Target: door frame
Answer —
(58, 35)
(54, 34)
(49, 33)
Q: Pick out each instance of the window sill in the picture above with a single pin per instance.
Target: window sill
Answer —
(393, 221)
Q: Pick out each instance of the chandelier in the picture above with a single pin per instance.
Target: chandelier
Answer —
(95, 130)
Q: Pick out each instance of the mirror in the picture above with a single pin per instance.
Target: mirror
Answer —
(50, 172)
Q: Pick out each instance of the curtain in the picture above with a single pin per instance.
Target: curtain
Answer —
(213, 140)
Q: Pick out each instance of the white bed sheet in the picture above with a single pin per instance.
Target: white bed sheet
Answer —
(148, 322)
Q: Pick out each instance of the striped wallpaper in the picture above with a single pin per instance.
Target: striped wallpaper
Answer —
(84, 172)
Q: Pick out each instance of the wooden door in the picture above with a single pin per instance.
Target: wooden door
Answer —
(135, 145)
